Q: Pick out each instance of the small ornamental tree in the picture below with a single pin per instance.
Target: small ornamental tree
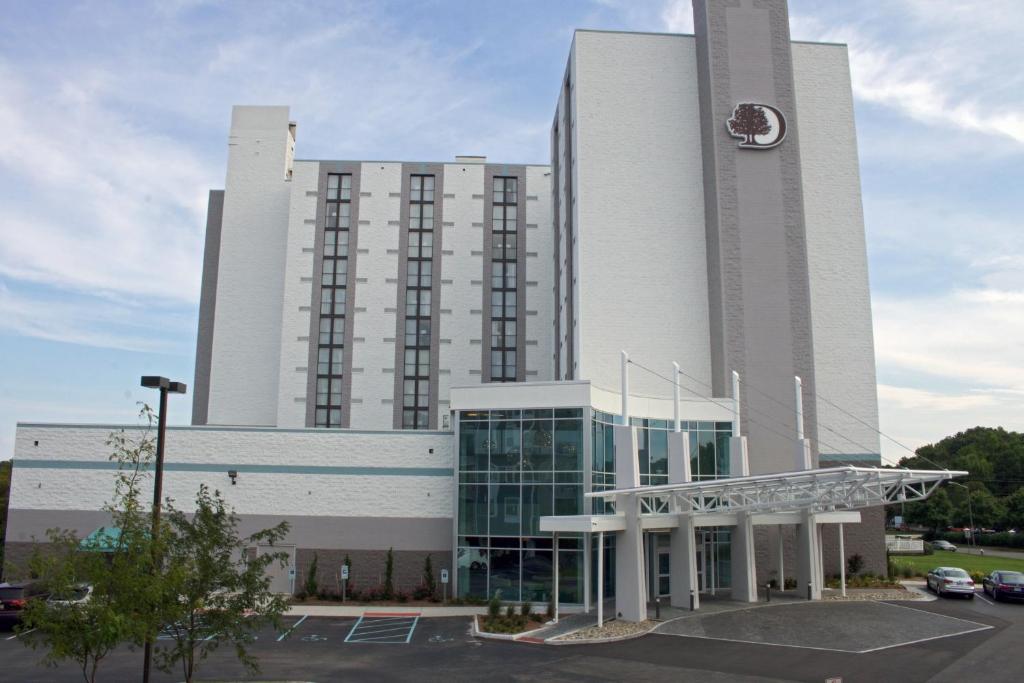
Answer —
(428, 576)
(389, 575)
(117, 563)
(312, 586)
(213, 594)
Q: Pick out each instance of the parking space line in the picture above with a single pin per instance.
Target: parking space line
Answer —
(356, 626)
(294, 626)
(17, 635)
(413, 628)
(983, 598)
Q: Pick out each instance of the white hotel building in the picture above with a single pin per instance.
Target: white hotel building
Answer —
(425, 356)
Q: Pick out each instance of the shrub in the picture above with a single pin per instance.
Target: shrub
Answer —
(301, 596)
(526, 608)
(790, 583)
(402, 596)
(510, 611)
(494, 606)
(855, 563)
(311, 587)
(929, 549)
(978, 577)
(421, 592)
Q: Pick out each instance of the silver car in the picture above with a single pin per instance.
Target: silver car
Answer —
(951, 581)
(944, 545)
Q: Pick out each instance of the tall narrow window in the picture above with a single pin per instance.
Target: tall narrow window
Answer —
(416, 383)
(503, 279)
(333, 296)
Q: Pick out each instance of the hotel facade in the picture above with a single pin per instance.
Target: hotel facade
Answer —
(462, 358)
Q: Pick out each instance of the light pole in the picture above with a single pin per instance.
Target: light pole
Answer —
(165, 386)
(970, 512)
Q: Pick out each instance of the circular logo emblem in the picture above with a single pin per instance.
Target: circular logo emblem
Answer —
(758, 126)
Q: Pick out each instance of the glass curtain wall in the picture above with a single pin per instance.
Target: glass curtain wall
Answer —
(516, 466)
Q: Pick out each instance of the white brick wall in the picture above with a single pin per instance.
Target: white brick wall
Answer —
(338, 495)
(298, 286)
(540, 331)
(250, 277)
(373, 386)
(465, 270)
(642, 273)
(844, 360)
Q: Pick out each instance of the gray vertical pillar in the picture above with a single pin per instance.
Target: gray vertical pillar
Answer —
(758, 283)
(207, 306)
(683, 541)
(630, 592)
(808, 556)
(744, 571)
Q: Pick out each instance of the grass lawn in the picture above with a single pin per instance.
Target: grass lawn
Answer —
(922, 564)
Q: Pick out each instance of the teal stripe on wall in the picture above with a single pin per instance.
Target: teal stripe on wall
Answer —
(257, 469)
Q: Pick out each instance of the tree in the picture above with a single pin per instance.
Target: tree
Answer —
(5, 494)
(212, 592)
(312, 586)
(749, 120)
(115, 561)
(934, 513)
(428, 577)
(1015, 509)
(987, 509)
(389, 572)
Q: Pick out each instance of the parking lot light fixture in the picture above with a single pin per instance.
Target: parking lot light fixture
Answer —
(165, 386)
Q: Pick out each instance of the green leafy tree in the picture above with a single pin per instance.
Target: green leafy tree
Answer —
(213, 594)
(5, 494)
(986, 509)
(934, 513)
(116, 563)
(1015, 509)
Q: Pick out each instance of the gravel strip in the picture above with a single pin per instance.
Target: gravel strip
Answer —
(610, 629)
(874, 594)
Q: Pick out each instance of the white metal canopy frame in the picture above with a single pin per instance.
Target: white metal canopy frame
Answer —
(822, 490)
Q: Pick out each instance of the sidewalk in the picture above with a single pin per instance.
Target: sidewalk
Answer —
(425, 611)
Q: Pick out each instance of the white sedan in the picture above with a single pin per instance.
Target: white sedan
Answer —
(951, 581)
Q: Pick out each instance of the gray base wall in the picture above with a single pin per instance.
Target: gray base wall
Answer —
(866, 538)
(368, 568)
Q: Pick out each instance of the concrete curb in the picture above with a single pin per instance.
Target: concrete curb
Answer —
(426, 612)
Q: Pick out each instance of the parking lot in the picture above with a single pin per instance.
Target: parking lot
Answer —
(385, 646)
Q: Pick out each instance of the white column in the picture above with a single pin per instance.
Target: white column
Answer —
(625, 388)
(675, 397)
(600, 578)
(744, 571)
(586, 571)
(803, 446)
(630, 581)
(736, 399)
(682, 542)
(842, 561)
(554, 540)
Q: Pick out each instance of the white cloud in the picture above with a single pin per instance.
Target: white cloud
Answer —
(677, 15)
(949, 67)
(916, 417)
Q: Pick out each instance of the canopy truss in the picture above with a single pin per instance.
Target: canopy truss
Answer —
(821, 490)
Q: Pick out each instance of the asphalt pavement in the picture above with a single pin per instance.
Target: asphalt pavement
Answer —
(403, 648)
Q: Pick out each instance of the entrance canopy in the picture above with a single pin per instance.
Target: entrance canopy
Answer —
(821, 491)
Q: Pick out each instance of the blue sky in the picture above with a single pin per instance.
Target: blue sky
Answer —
(114, 121)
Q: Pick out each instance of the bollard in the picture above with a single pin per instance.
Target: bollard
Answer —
(768, 591)
(657, 609)
(691, 599)
(809, 591)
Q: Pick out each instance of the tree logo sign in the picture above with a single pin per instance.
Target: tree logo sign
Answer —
(758, 126)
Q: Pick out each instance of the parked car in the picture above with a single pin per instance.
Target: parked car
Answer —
(1004, 584)
(14, 598)
(944, 545)
(76, 595)
(951, 581)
